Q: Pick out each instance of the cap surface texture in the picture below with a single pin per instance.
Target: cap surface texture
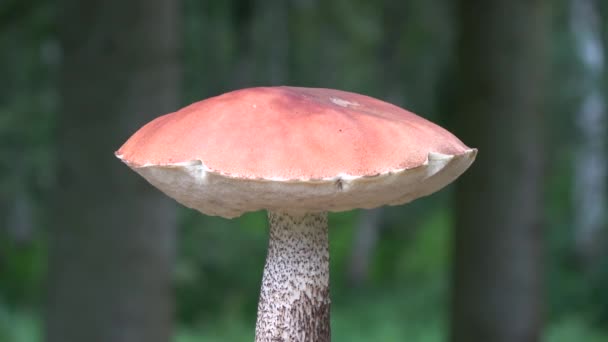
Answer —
(296, 150)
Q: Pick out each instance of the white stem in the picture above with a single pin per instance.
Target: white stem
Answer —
(294, 300)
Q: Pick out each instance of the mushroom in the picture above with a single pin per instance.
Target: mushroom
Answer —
(297, 153)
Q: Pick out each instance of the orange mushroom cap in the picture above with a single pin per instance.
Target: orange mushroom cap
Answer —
(294, 149)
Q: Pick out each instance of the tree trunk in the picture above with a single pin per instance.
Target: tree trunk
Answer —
(263, 45)
(112, 243)
(364, 246)
(497, 289)
(591, 158)
(270, 38)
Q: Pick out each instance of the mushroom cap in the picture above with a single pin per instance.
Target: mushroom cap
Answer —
(296, 150)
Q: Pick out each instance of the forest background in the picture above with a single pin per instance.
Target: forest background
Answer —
(515, 250)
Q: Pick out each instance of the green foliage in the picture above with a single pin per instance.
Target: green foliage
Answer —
(19, 326)
(219, 265)
(23, 269)
(574, 328)
(427, 256)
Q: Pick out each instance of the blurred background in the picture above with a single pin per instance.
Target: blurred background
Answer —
(515, 250)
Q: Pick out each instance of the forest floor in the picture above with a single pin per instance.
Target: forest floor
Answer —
(378, 317)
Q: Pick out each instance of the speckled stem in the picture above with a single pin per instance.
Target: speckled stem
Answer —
(294, 301)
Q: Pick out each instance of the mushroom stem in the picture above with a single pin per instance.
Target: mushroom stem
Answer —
(294, 300)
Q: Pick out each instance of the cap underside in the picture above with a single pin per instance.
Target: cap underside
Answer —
(194, 185)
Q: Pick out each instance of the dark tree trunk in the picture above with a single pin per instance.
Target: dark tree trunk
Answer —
(263, 45)
(112, 243)
(367, 233)
(497, 287)
(591, 164)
